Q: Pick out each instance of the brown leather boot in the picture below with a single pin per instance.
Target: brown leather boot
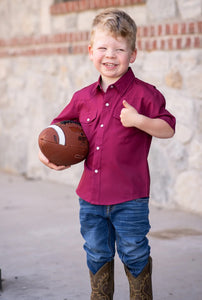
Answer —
(102, 283)
(141, 286)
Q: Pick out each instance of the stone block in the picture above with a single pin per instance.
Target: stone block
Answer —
(174, 79)
(178, 155)
(138, 13)
(193, 80)
(188, 65)
(150, 66)
(195, 155)
(189, 9)
(184, 133)
(64, 23)
(182, 106)
(161, 178)
(188, 191)
(45, 16)
(158, 10)
(85, 20)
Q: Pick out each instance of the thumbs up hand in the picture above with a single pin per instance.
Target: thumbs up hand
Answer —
(128, 115)
(157, 127)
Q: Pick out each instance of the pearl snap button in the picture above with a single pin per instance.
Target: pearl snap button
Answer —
(96, 171)
(88, 119)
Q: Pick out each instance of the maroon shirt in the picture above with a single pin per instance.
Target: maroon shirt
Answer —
(116, 169)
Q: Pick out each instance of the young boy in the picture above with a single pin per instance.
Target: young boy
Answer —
(119, 114)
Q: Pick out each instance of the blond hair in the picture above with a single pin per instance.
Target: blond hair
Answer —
(118, 23)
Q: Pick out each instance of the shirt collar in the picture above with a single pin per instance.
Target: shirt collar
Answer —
(121, 84)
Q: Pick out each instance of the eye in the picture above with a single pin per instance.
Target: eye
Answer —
(120, 50)
(102, 48)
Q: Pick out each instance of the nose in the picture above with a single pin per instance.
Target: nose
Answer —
(110, 53)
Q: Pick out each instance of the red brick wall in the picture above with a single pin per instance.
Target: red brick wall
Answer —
(76, 6)
(164, 36)
(169, 36)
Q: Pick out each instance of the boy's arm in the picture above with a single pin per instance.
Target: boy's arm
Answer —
(155, 127)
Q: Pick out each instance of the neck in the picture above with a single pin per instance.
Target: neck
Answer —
(105, 83)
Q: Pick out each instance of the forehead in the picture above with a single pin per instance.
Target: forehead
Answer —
(105, 36)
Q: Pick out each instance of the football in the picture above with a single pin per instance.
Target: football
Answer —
(64, 143)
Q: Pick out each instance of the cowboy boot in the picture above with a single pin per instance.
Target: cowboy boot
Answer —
(141, 286)
(102, 283)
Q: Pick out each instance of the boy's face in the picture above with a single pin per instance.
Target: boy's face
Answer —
(110, 55)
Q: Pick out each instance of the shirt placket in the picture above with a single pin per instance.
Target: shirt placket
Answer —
(103, 119)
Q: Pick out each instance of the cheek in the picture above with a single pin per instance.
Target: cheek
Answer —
(125, 60)
(97, 57)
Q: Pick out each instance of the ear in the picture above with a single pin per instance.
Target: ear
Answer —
(90, 52)
(133, 56)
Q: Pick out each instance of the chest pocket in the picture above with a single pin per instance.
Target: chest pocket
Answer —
(87, 118)
(88, 122)
(117, 112)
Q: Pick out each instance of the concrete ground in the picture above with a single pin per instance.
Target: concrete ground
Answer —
(41, 255)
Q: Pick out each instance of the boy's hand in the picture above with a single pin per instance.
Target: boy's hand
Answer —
(154, 127)
(128, 115)
(47, 163)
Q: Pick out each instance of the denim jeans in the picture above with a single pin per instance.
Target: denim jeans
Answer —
(124, 225)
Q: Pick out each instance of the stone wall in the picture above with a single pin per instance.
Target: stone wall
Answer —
(43, 60)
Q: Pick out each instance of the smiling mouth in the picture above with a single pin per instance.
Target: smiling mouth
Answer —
(109, 65)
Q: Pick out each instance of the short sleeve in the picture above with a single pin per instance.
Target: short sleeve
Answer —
(156, 108)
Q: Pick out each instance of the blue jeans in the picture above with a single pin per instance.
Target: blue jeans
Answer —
(125, 224)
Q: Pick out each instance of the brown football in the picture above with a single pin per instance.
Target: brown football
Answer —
(64, 143)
